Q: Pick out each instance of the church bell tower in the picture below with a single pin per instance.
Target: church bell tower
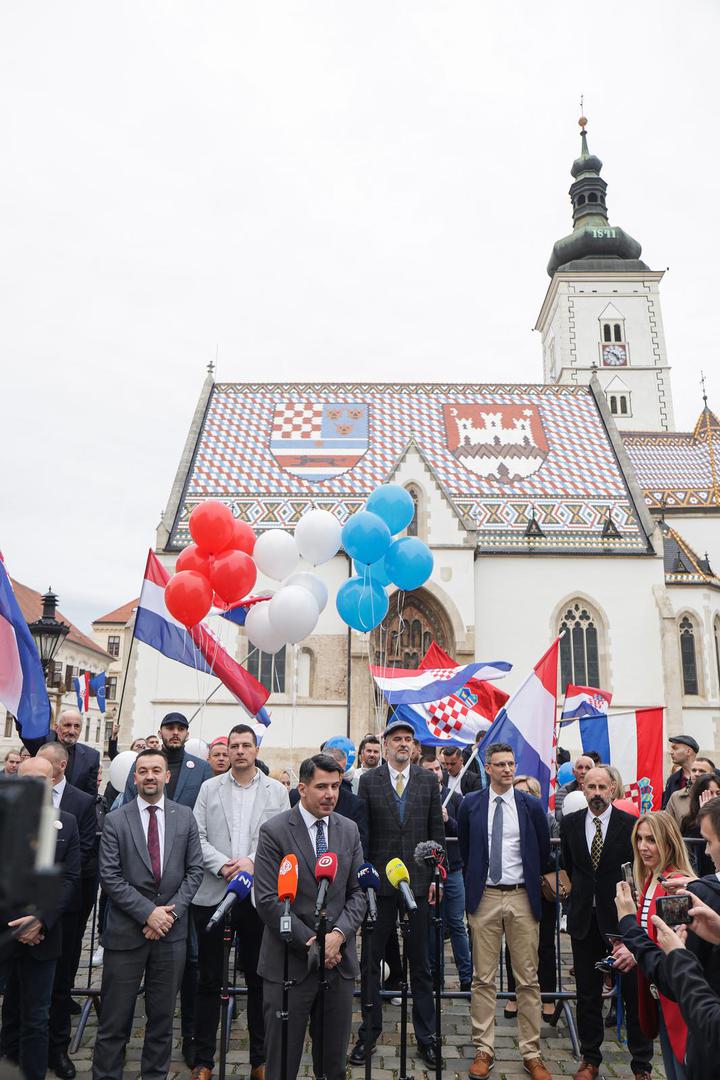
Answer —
(602, 310)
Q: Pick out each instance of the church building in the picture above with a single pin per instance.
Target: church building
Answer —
(568, 504)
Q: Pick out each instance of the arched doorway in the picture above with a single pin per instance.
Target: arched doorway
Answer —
(413, 621)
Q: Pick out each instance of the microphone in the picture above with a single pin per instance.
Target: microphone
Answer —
(325, 871)
(398, 876)
(369, 882)
(287, 891)
(237, 889)
(429, 853)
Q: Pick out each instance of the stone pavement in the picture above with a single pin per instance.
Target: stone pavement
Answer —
(457, 1050)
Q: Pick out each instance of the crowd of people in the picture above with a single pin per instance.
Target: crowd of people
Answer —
(639, 895)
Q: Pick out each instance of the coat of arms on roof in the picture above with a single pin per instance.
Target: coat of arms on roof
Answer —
(319, 440)
(501, 442)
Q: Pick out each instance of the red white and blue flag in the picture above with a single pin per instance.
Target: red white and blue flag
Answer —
(22, 681)
(197, 648)
(584, 701)
(410, 686)
(81, 686)
(527, 722)
(633, 742)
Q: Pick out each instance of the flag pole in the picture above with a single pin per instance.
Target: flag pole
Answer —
(125, 678)
(462, 772)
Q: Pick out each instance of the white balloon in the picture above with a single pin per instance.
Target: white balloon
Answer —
(260, 630)
(318, 536)
(275, 554)
(294, 612)
(198, 748)
(312, 583)
(120, 767)
(573, 801)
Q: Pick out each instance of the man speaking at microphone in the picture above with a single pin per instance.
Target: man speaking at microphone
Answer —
(311, 829)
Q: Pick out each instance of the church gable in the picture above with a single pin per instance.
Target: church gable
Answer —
(502, 455)
(681, 469)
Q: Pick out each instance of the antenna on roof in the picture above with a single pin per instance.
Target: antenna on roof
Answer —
(702, 383)
(212, 366)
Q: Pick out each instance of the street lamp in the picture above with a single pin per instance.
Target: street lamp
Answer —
(48, 634)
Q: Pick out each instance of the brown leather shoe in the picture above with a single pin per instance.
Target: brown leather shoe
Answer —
(537, 1069)
(481, 1066)
(644, 1075)
(257, 1072)
(586, 1071)
(201, 1072)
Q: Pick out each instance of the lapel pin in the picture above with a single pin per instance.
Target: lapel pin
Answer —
(190, 764)
(58, 825)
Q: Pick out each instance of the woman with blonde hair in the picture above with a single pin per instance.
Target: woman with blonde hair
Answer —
(659, 852)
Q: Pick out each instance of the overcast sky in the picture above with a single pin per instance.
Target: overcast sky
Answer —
(321, 190)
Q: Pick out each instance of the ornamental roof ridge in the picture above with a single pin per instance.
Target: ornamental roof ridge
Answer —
(698, 574)
(369, 387)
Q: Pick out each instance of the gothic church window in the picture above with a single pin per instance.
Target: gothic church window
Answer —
(613, 404)
(688, 656)
(412, 529)
(607, 332)
(579, 653)
(404, 636)
(617, 330)
(268, 668)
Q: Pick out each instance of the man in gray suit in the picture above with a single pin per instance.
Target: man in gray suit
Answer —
(310, 829)
(229, 811)
(150, 868)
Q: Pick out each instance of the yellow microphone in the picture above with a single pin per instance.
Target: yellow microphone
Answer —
(398, 876)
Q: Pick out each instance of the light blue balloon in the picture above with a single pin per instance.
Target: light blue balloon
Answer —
(365, 537)
(565, 773)
(346, 745)
(361, 604)
(375, 572)
(409, 562)
(394, 505)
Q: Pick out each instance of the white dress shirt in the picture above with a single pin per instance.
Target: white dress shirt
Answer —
(512, 866)
(311, 826)
(57, 792)
(143, 807)
(590, 825)
(394, 773)
(243, 803)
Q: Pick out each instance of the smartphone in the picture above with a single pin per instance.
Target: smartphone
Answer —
(627, 875)
(674, 910)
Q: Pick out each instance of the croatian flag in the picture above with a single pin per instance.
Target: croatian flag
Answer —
(632, 742)
(81, 686)
(527, 722)
(583, 701)
(449, 721)
(408, 686)
(197, 648)
(239, 612)
(22, 681)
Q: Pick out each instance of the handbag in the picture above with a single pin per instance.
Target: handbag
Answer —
(554, 883)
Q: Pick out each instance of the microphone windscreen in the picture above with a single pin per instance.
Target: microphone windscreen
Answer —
(326, 867)
(241, 885)
(288, 878)
(396, 871)
(368, 877)
(428, 851)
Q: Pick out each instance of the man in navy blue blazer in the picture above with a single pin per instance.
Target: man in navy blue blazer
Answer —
(505, 846)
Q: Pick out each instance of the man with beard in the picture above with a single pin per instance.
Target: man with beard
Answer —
(595, 844)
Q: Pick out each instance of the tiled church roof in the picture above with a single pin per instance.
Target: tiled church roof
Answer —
(678, 469)
(683, 566)
(501, 454)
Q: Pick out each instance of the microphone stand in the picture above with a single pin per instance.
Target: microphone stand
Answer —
(287, 983)
(320, 932)
(365, 986)
(225, 993)
(404, 931)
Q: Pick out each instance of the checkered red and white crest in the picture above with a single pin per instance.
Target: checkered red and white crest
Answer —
(298, 420)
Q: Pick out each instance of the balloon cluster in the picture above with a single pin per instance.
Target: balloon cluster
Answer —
(218, 566)
(380, 561)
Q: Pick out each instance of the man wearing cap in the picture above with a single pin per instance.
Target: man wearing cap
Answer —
(683, 749)
(404, 809)
(187, 775)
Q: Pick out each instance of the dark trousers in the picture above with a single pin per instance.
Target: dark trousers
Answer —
(246, 923)
(161, 964)
(589, 983)
(423, 1009)
(26, 1010)
(60, 1016)
(547, 968)
(303, 1004)
(188, 986)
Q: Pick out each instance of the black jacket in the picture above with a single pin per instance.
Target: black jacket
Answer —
(588, 885)
(82, 807)
(454, 861)
(83, 761)
(348, 806)
(392, 838)
(675, 782)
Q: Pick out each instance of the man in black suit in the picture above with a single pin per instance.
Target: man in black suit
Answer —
(28, 966)
(73, 801)
(452, 761)
(403, 803)
(83, 761)
(348, 805)
(595, 844)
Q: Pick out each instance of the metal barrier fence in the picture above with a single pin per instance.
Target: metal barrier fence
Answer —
(562, 998)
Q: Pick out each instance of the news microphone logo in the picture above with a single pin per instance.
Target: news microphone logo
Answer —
(287, 891)
(369, 882)
(287, 865)
(326, 864)
(325, 871)
(238, 889)
(398, 876)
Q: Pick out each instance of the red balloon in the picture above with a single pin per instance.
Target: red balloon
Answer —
(192, 558)
(212, 526)
(188, 597)
(232, 575)
(244, 538)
